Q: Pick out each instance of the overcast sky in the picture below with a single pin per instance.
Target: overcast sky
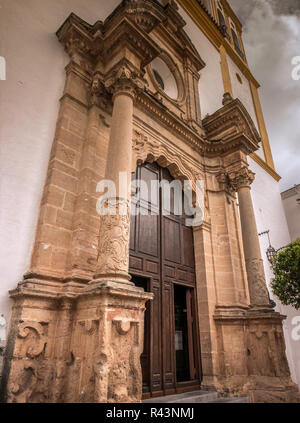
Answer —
(272, 39)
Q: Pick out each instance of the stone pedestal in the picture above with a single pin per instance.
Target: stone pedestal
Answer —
(84, 347)
(107, 342)
(252, 357)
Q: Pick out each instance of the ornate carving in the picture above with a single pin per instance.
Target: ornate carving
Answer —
(24, 372)
(36, 342)
(233, 180)
(125, 80)
(123, 325)
(241, 178)
(89, 326)
(125, 381)
(114, 241)
(257, 284)
(99, 96)
(145, 14)
(224, 182)
(81, 38)
(230, 127)
(150, 150)
(23, 382)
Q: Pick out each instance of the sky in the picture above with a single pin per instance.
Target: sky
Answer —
(272, 39)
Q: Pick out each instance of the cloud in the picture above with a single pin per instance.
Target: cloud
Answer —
(272, 39)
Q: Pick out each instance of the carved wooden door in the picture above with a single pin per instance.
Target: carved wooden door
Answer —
(162, 262)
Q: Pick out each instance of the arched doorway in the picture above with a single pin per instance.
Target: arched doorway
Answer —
(162, 262)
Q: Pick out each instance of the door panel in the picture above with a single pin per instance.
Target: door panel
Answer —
(171, 237)
(148, 235)
(162, 252)
(168, 337)
(156, 338)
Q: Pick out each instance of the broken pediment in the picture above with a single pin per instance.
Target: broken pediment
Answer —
(230, 128)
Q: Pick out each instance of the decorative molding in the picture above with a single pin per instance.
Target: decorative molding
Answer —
(103, 40)
(230, 128)
(225, 72)
(150, 150)
(262, 126)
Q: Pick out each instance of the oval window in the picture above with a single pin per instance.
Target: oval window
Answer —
(164, 78)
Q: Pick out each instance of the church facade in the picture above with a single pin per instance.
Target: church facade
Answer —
(116, 307)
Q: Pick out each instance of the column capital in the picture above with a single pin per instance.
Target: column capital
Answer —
(125, 80)
(234, 179)
(240, 178)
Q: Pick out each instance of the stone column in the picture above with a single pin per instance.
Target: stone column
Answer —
(113, 259)
(240, 181)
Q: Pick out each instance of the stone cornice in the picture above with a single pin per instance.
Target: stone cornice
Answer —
(157, 109)
(101, 40)
(230, 128)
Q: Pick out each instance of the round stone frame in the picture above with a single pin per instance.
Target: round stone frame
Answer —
(174, 68)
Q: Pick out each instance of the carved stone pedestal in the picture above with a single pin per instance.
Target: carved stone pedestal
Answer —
(252, 360)
(107, 343)
(77, 347)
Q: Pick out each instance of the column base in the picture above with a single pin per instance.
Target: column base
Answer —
(251, 359)
(81, 346)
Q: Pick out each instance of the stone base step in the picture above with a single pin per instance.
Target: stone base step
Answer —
(194, 397)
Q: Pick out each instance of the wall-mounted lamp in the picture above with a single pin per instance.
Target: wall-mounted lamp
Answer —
(271, 252)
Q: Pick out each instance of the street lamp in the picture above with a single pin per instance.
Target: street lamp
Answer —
(271, 253)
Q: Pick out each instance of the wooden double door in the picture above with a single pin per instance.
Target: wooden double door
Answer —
(162, 262)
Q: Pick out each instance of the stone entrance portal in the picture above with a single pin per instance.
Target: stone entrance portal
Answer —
(77, 326)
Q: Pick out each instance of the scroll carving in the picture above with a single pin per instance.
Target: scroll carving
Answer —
(36, 345)
(123, 325)
(24, 372)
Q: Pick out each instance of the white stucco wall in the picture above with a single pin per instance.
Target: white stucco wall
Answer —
(211, 83)
(28, 111)
(270, 215)
(243, 92)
